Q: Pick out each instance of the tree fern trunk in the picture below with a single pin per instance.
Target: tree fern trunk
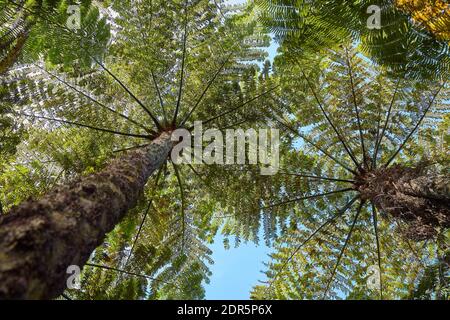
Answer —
(418, 198)
(435, 187)
(13, 54)
(39, 239)
(13, 45)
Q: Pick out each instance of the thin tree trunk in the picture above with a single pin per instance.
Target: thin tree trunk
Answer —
(39, 239)
(421, 199)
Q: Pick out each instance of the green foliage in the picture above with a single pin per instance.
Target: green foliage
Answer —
(32, 29)
(317, 256)
(170, 63)
(77, 119)
(400, 45)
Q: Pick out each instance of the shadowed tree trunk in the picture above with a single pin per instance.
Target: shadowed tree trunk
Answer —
(39, 239)
(421, 199)
(12, 45)
(13, 54)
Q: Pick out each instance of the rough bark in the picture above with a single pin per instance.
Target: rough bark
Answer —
(13, 54)
(39, 239)
(421, 199)
(13, 44)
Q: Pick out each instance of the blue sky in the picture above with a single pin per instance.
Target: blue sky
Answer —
(235, 270)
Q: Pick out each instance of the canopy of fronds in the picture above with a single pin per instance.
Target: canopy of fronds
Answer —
(151, 75)
(397, 43)
(347, 113)
(434, 15)
(170, 63)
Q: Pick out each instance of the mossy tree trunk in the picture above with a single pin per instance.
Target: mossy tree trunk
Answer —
(39, 239)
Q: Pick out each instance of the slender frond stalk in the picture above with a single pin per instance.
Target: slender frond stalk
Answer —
(145, 38)
(410, 246)
(130, 148)
(377, 136)
(378, 142)
(233, 125)
(341, 253)
(375, 227)
(311, 236)
(197, 174)
(326, 153)
(352, 84)
(340, 138)
(65, 296)
(87, 126)
(307, 197)
(136, 238)
(306, 139)
(219, 9)
(415, 127)
(58, 177)
(127, 272)
(183, 64)
(236, 108)
(94, 100)
(63, 27)
(161, 101)
(183, 203)
(206, 89)
(302, 175)
(154, 119)
(202, 179)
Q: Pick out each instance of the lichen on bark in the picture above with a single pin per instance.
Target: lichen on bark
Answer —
(40, 238)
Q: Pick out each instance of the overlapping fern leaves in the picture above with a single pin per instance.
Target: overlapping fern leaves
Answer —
(400, 44)
(355, 118)
(159, 72)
